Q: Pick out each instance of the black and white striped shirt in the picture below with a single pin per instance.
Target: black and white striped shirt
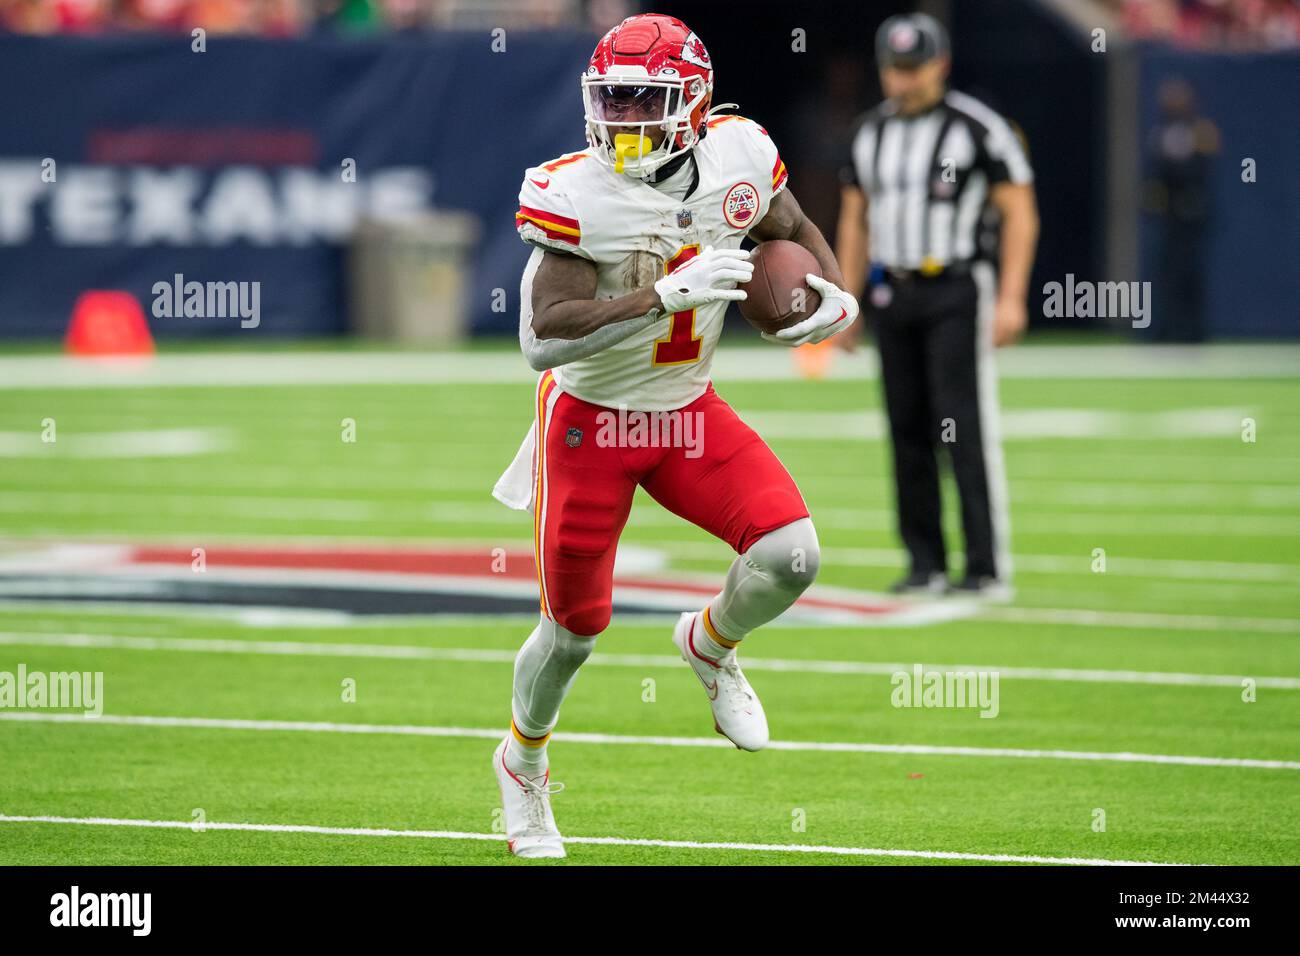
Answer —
(927, 178)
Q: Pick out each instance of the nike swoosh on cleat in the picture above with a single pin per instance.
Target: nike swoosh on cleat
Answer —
(710, 689)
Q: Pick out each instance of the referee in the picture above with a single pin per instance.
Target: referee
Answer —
(923, 166)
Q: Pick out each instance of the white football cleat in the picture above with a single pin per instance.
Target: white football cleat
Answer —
(737, 713)
(530, 828)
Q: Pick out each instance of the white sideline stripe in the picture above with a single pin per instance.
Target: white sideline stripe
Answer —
(495, 733)
(993, 423)
(733, 363)
(205, 645)
(591, 841)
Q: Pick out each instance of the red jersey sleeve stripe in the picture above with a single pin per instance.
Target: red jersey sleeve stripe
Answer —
(547, 218)
(778, 173)
(551, 232)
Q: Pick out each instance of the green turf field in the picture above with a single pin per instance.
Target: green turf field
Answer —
(1201, 589)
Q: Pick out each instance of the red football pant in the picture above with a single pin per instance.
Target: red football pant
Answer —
(735, 489)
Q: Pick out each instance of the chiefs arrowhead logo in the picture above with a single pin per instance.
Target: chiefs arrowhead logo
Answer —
(693, 51)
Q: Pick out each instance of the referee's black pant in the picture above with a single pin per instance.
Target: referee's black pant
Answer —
(931, 357)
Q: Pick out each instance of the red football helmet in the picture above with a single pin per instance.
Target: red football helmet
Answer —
(649, 71)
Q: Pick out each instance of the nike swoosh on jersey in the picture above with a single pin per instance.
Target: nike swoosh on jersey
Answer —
(540, 185)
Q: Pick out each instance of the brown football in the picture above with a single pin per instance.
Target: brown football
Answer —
(778, 296)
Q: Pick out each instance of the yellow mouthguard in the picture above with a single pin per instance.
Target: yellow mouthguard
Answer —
(630, 144)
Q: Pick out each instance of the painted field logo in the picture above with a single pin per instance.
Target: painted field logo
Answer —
(946, 689)
(55, 690)
(675, 429)
(74, 908)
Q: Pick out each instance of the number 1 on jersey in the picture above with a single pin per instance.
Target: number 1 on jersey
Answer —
(682, 345)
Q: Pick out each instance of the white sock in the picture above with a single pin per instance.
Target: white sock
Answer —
(706, 637)
(765, 580)
(545, 669)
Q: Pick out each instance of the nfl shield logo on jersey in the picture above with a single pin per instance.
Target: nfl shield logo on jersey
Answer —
(684, 219)
(573, 437)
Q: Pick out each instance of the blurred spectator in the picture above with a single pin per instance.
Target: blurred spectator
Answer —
(1180, 153)
(293, 17)
(1214, 24)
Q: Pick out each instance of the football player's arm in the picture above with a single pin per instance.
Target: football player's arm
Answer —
(565, 305)
(785, 219)
(564, 321)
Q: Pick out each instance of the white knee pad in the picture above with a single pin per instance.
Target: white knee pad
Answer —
(566, 648)
(789, 556)
(545, 669)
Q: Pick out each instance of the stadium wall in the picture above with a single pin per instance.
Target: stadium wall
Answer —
(127, 160)
(1251, 275)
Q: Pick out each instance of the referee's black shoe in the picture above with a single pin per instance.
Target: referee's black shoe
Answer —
(921, 582)
(980, 586)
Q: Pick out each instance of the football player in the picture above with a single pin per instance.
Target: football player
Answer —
(636, 255)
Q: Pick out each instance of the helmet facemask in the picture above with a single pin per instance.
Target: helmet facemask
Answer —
(622, 111)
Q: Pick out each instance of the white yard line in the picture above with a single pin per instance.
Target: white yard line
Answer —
(464, 505)
(591, 841)
(1018, 424)
(1140, 620)
(487, 656)
(255, 616)
(152, 443)
(491, 733)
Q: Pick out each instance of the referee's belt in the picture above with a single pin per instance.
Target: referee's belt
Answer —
(928, 271)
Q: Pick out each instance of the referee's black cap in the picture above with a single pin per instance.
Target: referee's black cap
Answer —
(910, 39)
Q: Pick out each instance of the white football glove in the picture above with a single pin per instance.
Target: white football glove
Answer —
(837, 312)
(708, 277)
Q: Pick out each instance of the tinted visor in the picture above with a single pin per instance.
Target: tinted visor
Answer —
(629, 104)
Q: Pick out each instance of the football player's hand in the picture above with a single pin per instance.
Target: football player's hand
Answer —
(708, 277)
(836, 313)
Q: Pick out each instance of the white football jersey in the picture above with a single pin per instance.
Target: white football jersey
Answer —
(635, 234)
